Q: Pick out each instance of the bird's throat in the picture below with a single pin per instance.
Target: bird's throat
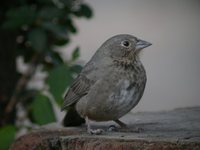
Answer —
(125, 63)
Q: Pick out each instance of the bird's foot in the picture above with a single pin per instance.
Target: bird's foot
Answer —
(112, 128)
(95, 131)
(92, 131)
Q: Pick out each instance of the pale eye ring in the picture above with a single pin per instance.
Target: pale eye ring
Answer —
(125, 43)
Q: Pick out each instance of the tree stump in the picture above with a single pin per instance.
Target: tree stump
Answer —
(178, 129)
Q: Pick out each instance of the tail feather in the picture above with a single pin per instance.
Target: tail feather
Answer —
(72, 118)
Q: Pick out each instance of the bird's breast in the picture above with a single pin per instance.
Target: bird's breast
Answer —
(113, 95)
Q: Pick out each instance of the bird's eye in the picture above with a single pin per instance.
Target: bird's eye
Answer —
(125, 43)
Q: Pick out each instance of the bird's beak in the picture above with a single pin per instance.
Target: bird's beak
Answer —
(142, 44)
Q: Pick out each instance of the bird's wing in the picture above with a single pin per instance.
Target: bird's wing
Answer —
(78, 89)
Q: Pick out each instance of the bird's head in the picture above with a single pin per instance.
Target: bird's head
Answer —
(124, 46)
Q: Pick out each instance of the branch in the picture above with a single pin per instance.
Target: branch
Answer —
(21, 84)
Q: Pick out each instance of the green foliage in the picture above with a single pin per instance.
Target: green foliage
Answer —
(59, 78)
(38, 39)
(55, 57)
(50, 12)
(76, 68)
(84, 11)
(39, 27)
(19, 16)
(42, 110)
(75, 54)
(60, 31)
(7, 135)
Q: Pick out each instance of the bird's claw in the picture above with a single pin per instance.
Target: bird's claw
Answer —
(112, 128)
(96, 131)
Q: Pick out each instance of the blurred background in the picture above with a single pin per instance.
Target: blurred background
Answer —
(45, 43)
(172, 62)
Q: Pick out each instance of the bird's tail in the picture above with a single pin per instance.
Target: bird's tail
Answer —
(72, 118)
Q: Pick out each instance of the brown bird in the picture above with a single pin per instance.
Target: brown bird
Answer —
(110, 84)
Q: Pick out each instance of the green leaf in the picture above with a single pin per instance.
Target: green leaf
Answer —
(68, 3)
(76, 68)
(55, 57)
(38, 39)
(16, 18)
(61, 42)
(84, 11)
(42, 110)
(70, 25)
(50, 12)
(26, 53)
(76, 54)
(7, 135)
(45, 1)
(58, 30)
(58, 80)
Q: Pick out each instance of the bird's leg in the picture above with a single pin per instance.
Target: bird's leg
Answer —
(122, 125)
(114, 128)
(91, 131)
(88, 124)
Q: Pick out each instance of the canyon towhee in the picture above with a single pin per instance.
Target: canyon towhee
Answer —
(110, 84)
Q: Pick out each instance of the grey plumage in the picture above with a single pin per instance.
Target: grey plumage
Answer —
(112, 82)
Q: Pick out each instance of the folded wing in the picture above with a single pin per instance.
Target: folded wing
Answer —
(78, 89)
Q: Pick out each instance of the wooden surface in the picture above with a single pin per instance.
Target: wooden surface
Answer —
(176, 129)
